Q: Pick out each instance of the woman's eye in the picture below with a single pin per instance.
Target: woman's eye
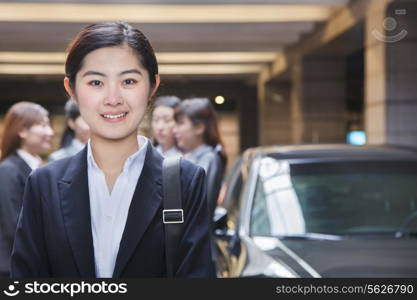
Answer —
(95, 83)
(129, 81)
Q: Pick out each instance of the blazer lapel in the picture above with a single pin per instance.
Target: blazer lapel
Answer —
(75, 205)
(146, 200)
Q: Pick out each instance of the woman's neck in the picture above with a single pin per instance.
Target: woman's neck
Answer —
(29, 150)
(195, 147)
(110, 155)
(80, 139)
(166, 147)
(198, 141)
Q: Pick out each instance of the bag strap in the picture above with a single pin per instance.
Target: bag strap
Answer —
(172, 215)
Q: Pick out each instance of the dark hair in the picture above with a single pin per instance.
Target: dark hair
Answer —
(72, 112)
(21, 115)
(170, 101)
(201, 111)
(102, 35)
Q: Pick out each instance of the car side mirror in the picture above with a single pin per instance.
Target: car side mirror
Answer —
(220, 218)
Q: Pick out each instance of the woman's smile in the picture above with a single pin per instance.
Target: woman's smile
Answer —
(115, 117)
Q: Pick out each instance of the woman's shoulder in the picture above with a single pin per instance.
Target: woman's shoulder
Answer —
(208, 155)
(189, 169)
(9, 170)
(54, 169)
(10, 164)
(61, 153)
(205, 158)
(6, 163)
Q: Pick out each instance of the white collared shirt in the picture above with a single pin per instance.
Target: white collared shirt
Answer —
(109, 211)
(33, 161)
(173, 151)
(76, 144)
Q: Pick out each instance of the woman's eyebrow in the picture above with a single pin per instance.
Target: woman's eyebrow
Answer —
(136, 71)
(93, 73)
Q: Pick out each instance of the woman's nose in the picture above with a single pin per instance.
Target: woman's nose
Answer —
(49, 131)
(113, 96)
(174, 130)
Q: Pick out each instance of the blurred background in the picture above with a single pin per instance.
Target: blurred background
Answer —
(277, 71)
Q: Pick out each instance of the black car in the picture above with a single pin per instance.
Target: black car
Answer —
(319, 211)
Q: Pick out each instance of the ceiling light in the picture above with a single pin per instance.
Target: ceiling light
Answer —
(219, 100)
(136, 13)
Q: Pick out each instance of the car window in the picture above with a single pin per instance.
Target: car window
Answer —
(233, 185)
(260, 224)
(335, 198)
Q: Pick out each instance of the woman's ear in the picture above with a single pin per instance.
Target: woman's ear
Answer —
(200, 128)
(68, 88)
(23, 133)
(71, 124)
(155, 87)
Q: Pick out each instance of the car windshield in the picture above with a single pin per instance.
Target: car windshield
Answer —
(297, 198)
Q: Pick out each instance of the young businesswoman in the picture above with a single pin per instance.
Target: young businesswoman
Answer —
(26, 134)
(99, 213)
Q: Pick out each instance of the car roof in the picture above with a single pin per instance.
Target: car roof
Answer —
(333, 151)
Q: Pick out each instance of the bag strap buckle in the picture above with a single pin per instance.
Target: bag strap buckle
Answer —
(173, 216)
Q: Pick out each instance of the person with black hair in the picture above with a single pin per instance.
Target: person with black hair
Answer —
(76, 133)
(100, 213)
(163, 124)
(199, 138)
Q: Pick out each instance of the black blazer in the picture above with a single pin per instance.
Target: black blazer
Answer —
(54, 236)
(214, 178)
(14, 172)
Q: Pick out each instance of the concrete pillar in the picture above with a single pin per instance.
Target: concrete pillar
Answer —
(248, 119)
(274, 113)
(297, 122)
(391, 73)
(318, 99)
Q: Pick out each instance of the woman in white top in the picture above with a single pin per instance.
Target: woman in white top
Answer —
(26, 134)
(163, 124)
(100, 213)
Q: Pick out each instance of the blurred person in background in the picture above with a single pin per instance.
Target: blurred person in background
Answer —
(163, 124)
(76, 134)
(198, 137)
(27, 133)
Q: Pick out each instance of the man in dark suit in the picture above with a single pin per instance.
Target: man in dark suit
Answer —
(54, 235)
(13, 174)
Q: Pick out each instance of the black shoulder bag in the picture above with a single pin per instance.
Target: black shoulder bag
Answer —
(172, 215)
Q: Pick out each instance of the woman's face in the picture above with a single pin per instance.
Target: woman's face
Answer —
(163, 124)
(112, 90)
(37, 138)
(188, 135)
(81, 129)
